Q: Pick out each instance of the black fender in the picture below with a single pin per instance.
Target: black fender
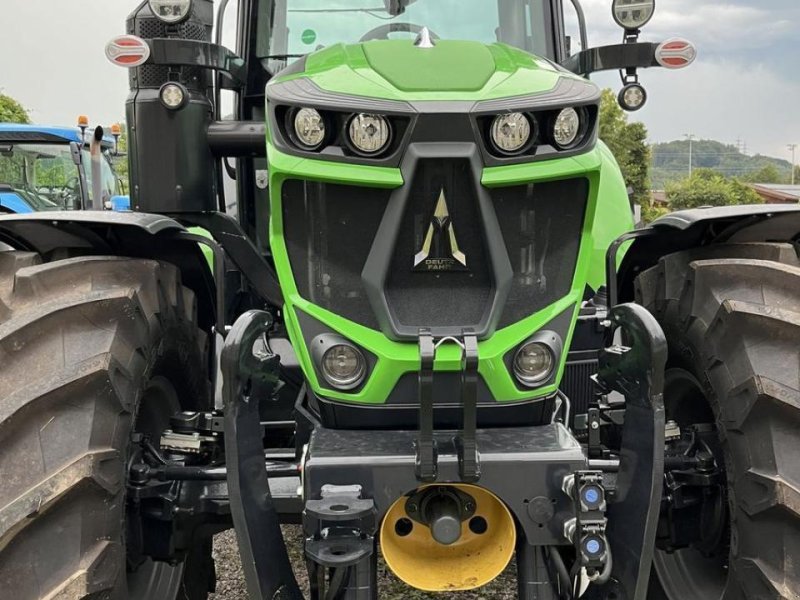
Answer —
(62, 234)
(693, 228)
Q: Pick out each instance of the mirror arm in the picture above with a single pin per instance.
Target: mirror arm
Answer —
(581, 23)
(639, 55)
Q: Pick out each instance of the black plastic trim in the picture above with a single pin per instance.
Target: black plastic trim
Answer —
(303, 91)
(378, 263)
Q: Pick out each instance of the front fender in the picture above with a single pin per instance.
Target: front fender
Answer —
(687, 229)
(136, 235)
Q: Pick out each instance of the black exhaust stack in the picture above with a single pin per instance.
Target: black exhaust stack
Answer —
(172, 169)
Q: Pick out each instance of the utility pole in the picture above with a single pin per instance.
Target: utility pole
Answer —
(690, 137)
(792, 149)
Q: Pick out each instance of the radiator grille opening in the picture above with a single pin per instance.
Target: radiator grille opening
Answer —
(329, 230)
(541, 225)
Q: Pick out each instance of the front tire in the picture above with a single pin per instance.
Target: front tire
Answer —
(81, 342)
(731, 314)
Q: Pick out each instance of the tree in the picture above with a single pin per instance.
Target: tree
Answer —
(766, 174)
(12, 111)
(120, 161)
(708, 188)
(628, 143)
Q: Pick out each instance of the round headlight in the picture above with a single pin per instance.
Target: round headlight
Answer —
(533, 363)
(511, 132)
(566, 128)
(369, 133)
(309, 127)
(344, 366)
(633, 14)
(632, 97)
(171, 11)
(173, 95)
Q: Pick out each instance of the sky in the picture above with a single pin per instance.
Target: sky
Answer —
(744, 86)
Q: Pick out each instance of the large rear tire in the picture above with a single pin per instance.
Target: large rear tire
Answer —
(731, 314)
(91, 349)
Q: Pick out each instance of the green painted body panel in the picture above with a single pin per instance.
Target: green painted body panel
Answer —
(397, 70)
(437, 69)
(346, 69)
(607, 197)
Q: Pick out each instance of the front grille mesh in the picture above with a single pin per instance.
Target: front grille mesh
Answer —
(541, 225)
(329, 230)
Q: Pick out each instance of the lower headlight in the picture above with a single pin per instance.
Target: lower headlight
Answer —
(344, 366)
(566, 128)
(511, 132)
(533, 363)
(171, 11)
(369, 134)
(309, 128)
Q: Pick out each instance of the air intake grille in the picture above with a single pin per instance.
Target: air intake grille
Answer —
(154, 76)
(541, 225)
(329, 230)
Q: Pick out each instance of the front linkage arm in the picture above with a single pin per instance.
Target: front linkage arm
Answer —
(250, 372)
(635, 370)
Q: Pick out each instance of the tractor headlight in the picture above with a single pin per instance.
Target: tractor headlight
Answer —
(632, 97)
(309, 128)
(369, 134)
(533, 363)
(171, 11)
(511, 132)
(633, 14)
(344, 366)
(566, 128)
(173, 95)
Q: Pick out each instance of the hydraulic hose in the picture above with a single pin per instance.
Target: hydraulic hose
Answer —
(555, 559)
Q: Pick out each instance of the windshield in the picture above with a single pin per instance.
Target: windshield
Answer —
(43, 175)
(302, 26)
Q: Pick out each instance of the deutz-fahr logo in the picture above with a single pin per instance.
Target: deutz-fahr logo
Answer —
(440, 250)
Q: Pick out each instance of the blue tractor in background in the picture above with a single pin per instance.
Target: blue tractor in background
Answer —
(59, 168)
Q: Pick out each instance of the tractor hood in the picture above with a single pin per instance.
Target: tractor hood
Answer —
(450, 70)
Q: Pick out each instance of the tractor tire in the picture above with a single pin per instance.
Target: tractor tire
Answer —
(91, 350)
(731, 315)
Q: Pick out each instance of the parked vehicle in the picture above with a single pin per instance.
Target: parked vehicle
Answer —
(430, 329)
(50, 168)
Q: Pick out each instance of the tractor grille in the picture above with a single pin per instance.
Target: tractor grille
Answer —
(450, 298)
(541, 225)
(329, 230)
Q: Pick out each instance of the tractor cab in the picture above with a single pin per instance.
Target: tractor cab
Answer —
(51, 168)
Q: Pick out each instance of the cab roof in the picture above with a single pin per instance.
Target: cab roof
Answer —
(16, 132)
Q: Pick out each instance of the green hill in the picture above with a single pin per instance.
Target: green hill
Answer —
(670, 161)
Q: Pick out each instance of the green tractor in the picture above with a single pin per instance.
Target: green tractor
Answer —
(429, 334)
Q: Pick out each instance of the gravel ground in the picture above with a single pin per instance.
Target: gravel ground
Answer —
(230, 580)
